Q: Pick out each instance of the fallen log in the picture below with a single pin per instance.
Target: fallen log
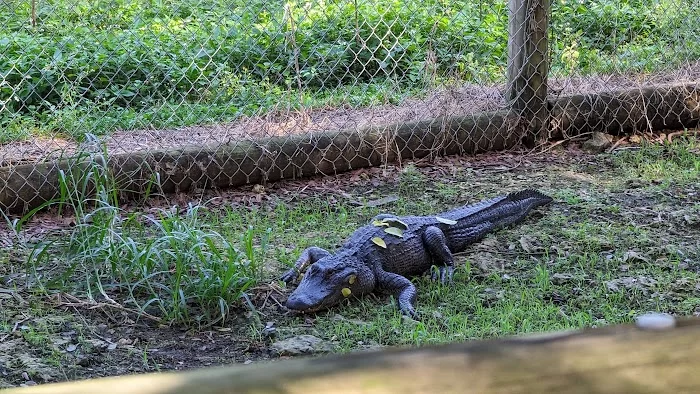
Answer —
(244, 162)
(648, 109)
(24, 187)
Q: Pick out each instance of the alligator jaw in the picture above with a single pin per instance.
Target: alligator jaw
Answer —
(303, 300)
(307, 310)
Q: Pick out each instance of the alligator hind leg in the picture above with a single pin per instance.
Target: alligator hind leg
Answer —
(402, 288)
(307, 257)
(436, 244)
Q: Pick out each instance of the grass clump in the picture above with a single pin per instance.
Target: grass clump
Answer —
(169, 265)
(679, 159)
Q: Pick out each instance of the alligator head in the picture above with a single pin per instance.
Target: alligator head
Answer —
(330, 280)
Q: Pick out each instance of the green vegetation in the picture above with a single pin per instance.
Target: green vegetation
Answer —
(619, 240)
(168, 265)
(597, 256)
(100, 66)
(191, 266)
(606, 36)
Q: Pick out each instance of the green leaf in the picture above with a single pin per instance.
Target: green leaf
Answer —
(394, 231)
(445, 221)
(379, 223)
(346, 292)
(379, 242)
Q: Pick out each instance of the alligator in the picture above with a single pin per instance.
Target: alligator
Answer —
(382, 255)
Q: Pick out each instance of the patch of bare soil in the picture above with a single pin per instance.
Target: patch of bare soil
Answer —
(79, 344)
(446, 101)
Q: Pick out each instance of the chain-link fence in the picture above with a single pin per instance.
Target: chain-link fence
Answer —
(225, 92)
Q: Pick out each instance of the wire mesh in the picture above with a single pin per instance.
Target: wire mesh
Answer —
(190, 77)
(633, 46)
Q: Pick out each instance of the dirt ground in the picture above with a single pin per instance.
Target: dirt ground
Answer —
(60, 339)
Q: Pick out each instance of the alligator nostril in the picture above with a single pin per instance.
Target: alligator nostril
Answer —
(297, 303)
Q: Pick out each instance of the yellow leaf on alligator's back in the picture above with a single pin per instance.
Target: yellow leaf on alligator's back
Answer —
(396, 223)
(380, 223)
(346, 292)
(394, 231)
(445, 221)
(379, 242)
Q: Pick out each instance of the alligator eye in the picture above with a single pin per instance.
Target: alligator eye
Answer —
(352, 278)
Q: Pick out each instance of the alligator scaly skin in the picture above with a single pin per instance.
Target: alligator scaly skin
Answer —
(361, 266)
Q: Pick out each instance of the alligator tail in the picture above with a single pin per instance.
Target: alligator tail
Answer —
(506, 210)
(519, 204)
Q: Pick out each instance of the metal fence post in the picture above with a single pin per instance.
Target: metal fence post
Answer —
(528, 65)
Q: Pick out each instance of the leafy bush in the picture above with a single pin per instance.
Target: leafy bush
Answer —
(238, 57)
(594, 36)
(139, 59)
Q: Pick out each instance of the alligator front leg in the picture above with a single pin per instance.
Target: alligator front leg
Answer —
(308, 257)
(401, 288)
(436, 244)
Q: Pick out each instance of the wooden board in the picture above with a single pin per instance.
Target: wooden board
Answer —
(617, 359)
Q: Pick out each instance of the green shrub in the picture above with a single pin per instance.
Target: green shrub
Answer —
(240, 57)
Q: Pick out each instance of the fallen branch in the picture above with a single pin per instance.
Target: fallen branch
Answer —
(670, 136)
(78, 303)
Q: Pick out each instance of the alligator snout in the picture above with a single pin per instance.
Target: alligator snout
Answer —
(298, 302)
(302, 301)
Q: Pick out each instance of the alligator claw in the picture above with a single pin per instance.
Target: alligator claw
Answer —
(290, 276)
(443, 273)
(410, 313)
(449, 273)
(435, 273)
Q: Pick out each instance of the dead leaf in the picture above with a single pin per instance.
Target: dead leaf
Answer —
(558, 278)
(393, 222)
(525, 244)
(529, 244)
(642, 283)
(631, 255)
(97, 343)
(381, 201)
(380, 223)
